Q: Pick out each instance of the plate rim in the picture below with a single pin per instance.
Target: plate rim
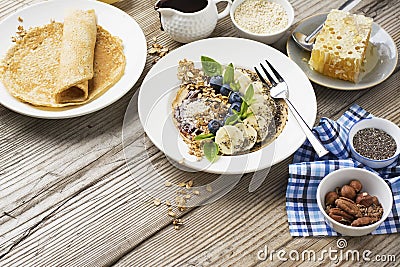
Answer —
(227, 171)
(57, 114)
(290, 55)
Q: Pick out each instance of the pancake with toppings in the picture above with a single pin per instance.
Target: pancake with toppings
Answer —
(197, 103)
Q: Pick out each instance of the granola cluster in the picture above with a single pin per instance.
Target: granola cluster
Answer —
(187, 73)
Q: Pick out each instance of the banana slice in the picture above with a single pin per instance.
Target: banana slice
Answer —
(259, 124)
(249, 134)
(229, 139)
(258, 87)
(259, 98)
(243, 79)
(262, 109)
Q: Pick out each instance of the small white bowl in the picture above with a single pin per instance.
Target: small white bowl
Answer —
(372, 183)
(264, 38)
(378, 123)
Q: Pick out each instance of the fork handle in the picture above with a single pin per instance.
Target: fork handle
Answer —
(315, 142)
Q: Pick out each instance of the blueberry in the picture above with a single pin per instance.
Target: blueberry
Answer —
(235, 97)
(213, 126)
(235, 106)
(225, 89)
(216, 82)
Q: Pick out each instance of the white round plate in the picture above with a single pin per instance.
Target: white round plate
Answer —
(161, 83)
(117, 22)
(383, 57)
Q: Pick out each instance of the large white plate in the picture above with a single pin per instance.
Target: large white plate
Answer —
(160, 85)
(117, 22)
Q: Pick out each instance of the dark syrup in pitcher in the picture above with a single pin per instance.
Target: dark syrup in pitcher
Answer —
(185, 6)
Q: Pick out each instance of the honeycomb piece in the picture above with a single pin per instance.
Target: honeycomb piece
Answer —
(340, 47)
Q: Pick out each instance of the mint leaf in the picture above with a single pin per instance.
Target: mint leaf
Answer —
(211, 150)
(243, 110)
(204, 136)
(248, 114)
(232, 119)
(248, 96)
(235, 86)
(210, 66)
(229, 75)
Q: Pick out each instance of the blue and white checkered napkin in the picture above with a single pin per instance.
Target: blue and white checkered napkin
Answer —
(307, 171)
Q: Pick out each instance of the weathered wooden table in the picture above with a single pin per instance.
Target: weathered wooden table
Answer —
(68, 199)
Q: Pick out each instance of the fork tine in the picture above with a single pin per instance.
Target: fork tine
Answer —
(277, 75)
(271, 80)
(260, 76)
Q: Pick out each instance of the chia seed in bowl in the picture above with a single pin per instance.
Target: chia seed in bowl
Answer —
(375, 142)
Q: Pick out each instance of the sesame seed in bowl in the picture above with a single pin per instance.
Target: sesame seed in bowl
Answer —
(262, 20)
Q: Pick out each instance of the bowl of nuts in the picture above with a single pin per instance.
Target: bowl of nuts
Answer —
(354, 201)
(265, 21)
(375, 142)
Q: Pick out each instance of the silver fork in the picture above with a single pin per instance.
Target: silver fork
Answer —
(280, 90)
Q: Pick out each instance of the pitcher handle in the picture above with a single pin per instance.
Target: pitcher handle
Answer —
(226, 10)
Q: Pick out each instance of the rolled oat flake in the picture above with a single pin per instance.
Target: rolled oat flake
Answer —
(374, 144)
(261, 16)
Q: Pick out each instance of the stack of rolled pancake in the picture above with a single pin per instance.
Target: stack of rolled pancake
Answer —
(62, 64)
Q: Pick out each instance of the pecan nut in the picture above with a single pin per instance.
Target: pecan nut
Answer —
(375, 201)
(356, 184)
(348, 192)
(364, 199)
(348, 206)
(331, 197)
(340, 215)
(363, 221)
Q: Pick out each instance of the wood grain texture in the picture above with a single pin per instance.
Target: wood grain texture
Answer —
(67, 197)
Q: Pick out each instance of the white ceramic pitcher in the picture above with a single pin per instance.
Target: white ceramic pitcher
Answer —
(187, 27)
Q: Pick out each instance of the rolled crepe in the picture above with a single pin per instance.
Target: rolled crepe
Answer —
(76, 56)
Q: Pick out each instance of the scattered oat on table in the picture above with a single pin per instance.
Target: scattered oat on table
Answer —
(182, 196)
(157, 202)
(157, 50)
(171, 213)
(209, 188)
